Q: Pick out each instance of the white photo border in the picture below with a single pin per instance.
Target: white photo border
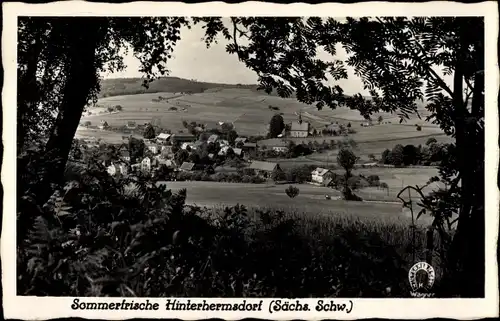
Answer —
(20, 307)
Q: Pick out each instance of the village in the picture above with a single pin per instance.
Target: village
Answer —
(217, 154)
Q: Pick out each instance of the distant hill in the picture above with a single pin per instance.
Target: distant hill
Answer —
(133, 86)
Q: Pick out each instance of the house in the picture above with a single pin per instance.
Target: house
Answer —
(264, 169)
(249, 146)
(238, 151)
(163, 137)
(242, 140)
(183, 138)
(186, 145)
(131, 125)
(117, 169)
(299, 129)
(223, 142)
(320, 174)
(148, 163)
(153, 148)
(223, 150)
(103, 125)
(166, 150)
(213, 138)
(125, 155)
(187, 167)
(280, 146)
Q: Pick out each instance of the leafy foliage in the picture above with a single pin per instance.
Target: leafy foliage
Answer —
(276, 126)
(292, 191)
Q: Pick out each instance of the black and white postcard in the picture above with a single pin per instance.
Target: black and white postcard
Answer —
(253, 160)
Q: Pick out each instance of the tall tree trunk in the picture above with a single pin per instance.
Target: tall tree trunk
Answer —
(465, 264)
(81, 80)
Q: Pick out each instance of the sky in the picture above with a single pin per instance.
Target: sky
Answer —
(192, 60)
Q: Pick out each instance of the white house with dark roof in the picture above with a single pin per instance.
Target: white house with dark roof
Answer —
(320, 174)
(299, 129)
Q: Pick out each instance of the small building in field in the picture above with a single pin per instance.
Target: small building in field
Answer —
(319, 175)
(299, 129)
(264, 169)
(103, 125)
(187, 167)
(131, 125)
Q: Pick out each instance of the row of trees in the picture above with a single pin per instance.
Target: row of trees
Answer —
(433, 153)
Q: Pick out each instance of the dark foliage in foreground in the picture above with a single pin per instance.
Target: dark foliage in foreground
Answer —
(98, 236)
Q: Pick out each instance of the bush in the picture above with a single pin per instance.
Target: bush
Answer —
(373, 180)
(356, 182)
(384, 185)
(292, 191)
(419, 128)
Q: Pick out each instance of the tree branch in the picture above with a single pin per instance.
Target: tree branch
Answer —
(428, 68)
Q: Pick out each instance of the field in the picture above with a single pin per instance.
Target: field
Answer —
(248, 109)
(311, 200)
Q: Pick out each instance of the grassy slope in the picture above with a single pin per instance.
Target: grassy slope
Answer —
(133, 86)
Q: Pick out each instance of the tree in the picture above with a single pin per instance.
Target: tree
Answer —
(346, 159)
(278, 175)
(181, 156)
(380, 119)
(136, 149)
(292, 191)
(149, 132)
(419, 128)
(231, 137)
(87, 124)
(276, 126)
(410, 155)
(386, 157)
(397, 155)
(119, 107)
(349, 125)
(431, 141)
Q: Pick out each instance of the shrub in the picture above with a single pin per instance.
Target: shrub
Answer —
(419, 128)
(373, 180)
(292, 191)
(384, 185)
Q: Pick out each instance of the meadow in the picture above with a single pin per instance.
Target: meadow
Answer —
(379, 204)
